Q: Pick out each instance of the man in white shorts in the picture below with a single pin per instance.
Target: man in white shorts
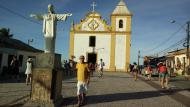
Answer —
(83, 77)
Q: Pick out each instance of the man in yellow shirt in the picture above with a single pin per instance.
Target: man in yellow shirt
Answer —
(83, 78)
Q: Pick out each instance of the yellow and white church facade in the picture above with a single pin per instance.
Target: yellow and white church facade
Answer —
(96, 40)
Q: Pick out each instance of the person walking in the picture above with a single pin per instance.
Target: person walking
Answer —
(131, 67)
(159, 74)
(91, 68)
(149, 71)
(164, 76)
(101, 67)
(28, 71)
(83, 77)
(135, 70)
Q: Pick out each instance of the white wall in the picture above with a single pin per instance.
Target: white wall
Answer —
(6, 52)
(120, 51)
(181, 59)
(124, 24)
(81, 46)
(4, 60)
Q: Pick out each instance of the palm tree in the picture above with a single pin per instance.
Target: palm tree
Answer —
(5, 32)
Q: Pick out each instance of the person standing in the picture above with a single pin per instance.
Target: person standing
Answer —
(131, 67)
(83, 77)
(66, 67)
(71, 65)
(15, 68)
(28, 72)
(101, 67)
(164, 75)
(135, 70)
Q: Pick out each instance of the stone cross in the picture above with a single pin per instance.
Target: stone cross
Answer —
(49, 26)
(93, 6)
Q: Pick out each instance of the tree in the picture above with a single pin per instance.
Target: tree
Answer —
(5, 32)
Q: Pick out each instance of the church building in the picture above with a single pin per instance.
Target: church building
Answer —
(96, 40)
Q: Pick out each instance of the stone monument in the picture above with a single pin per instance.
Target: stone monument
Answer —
(49, 26)
(47, 75)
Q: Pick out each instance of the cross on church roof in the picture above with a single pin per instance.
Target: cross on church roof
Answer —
(93, 6)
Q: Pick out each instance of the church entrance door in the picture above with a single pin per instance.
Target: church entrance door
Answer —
(92, 57)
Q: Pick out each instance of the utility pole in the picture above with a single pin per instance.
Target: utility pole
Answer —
(138, 56)
(188, 38)
(138, 60)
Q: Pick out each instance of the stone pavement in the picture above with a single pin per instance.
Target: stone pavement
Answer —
(13, 94)
(120, 90)
(113, 90)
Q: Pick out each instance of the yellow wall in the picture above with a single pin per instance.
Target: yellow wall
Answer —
(128, 41)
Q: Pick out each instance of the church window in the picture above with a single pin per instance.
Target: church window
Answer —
(120, 23)
(92, 41)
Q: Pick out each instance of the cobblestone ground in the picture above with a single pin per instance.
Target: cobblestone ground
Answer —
(113, 90)
(120, 90)
(13, 94)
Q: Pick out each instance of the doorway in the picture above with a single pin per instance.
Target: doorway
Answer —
(1, 55)
(92, 57)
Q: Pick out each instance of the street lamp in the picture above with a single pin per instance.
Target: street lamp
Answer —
(30, 41)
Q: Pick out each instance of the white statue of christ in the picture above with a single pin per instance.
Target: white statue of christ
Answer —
(49, 26)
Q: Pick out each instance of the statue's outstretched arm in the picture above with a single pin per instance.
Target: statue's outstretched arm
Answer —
(37, 16)
(63, 16)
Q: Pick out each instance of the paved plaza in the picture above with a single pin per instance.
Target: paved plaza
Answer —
(113, 90)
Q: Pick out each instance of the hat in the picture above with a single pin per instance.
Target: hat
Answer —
(29, 59)
(81, 57)
(160, 63)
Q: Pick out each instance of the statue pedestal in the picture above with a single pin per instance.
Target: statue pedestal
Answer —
(47, 80)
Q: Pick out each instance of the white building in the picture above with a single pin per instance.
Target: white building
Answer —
(180, 61)
(10, 47)
(96, 40)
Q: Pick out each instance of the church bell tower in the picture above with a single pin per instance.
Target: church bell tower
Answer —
(121, 29)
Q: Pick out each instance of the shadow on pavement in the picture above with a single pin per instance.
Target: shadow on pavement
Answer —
(14, 91)
(112, 76)
(94, 99)
(14, 102)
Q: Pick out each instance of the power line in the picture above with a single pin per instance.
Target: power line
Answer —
(18, 14)
(171, 47)
(165, 41)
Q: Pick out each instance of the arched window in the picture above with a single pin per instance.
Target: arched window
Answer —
(120, 23)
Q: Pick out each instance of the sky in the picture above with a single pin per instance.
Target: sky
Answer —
(152, 30)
